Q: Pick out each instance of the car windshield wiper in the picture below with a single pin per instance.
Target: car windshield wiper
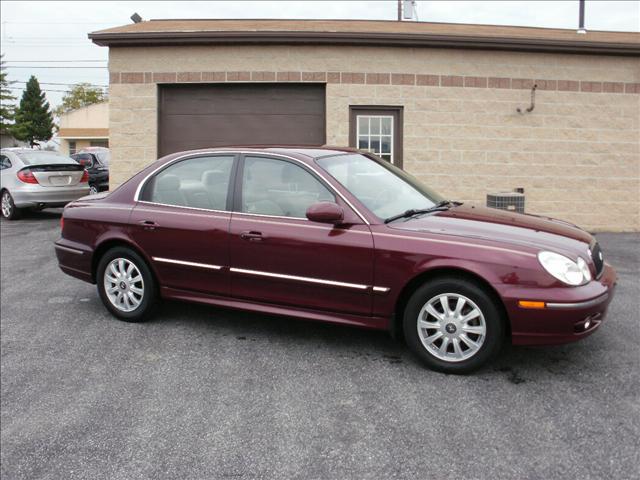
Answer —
(440, 206)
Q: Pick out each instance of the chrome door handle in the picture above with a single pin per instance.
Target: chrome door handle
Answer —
(251, 236)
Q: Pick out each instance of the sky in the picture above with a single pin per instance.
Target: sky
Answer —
(49, 39)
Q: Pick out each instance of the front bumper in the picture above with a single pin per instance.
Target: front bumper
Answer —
(39, 196)
(570, 314)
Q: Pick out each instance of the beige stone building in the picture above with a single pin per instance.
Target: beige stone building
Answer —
(84, 127)
(439, 100)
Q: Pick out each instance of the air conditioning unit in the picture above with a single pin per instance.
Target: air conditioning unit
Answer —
(511, 201)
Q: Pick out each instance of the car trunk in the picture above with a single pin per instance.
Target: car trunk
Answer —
(61, 175)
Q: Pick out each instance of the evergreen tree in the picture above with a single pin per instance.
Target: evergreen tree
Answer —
(6, 99)
(34, 122)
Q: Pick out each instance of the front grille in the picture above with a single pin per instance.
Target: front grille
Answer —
(598, 259)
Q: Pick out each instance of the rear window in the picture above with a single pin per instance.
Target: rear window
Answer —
(43, 158)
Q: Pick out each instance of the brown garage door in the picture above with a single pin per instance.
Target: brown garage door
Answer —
(200, 116)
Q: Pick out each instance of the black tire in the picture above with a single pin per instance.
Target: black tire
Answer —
(93, 189)
(493, 318)
(14, 212)
(150, 290)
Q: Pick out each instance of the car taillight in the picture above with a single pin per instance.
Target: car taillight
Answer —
(85, 177)
(61, 224)
(27, 176)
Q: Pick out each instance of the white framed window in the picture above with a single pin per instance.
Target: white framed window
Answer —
(375, 134)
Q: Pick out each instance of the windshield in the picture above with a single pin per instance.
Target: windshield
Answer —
(381, 187)
(41, 157)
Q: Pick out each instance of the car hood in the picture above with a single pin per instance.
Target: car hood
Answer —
(500, 226)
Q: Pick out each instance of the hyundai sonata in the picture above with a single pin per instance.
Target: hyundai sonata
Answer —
(339, 236)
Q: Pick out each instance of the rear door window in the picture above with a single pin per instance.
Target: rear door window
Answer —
(201, 182)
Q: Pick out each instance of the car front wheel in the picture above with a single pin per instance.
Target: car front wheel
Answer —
(453, 325)
(9, 209)
(126, 285)
(93, 190)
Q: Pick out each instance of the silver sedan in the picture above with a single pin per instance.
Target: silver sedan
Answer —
(38, 179)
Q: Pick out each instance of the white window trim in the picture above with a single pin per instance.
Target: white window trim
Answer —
(379, 135)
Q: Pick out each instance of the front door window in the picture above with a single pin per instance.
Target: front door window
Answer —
(279, 188)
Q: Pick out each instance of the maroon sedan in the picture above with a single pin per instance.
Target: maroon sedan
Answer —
(339, 236)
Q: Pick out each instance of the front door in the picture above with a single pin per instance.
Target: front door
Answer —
(280, 257)
(182, 223)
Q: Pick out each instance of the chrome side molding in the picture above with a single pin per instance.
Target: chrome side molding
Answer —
(187, 264)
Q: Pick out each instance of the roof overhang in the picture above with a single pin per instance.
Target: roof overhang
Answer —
(418, 34)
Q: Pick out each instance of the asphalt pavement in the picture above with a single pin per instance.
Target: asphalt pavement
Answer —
(205, 393)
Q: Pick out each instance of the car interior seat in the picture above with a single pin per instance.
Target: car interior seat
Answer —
(167, 190)
(216, 184)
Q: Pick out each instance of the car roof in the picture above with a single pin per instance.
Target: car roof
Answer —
(300, 152)
(93, 149)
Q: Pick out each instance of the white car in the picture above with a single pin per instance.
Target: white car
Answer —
(38, 179)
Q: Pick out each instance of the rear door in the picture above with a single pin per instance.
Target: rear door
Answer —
(182, 222)
(280, 257)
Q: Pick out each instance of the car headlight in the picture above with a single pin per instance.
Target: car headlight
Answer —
(565, 269)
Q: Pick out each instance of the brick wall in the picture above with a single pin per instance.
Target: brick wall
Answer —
(577, 154)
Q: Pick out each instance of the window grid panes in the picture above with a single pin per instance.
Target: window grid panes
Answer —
(375, 135)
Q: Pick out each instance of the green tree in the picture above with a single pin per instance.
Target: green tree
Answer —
(81, 95)
(7, 107)
(33, 119)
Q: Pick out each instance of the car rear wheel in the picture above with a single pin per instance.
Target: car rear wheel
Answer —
(453, 325)
(9, 209)
(126, 285)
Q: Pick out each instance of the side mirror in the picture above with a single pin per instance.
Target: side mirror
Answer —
(325, 212)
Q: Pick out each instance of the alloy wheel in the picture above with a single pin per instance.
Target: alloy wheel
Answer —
(123, 284)
(93, 190)
(451, 327)
(7, 207)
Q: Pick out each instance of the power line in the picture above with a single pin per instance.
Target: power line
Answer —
(43, 89)
(49, 66)
(53, 61)
(52, 37)
(63, 84)
(58, 23)
(51, 45)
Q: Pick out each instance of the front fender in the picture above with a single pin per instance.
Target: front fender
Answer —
(404, 262)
